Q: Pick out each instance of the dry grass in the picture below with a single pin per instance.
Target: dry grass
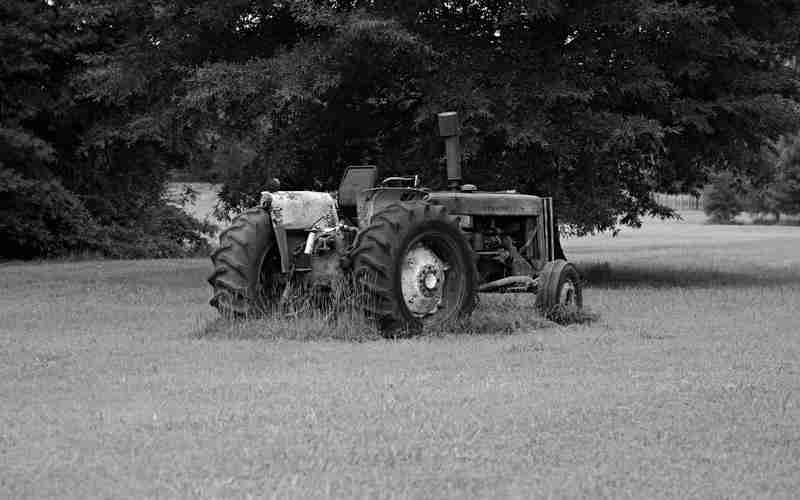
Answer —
(115, 381)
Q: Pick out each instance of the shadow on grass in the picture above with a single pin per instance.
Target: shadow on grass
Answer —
(664, 276)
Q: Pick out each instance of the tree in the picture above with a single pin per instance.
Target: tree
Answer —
(776, 187)
(764, 199)
(761, 188)
(79, 173)
(594, 103)
(722, 199)
(787, 185)
(38, 215)
(598, 103)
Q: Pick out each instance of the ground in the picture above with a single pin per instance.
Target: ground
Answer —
(113, 384)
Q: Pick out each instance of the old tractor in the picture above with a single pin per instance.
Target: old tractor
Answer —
(420, 256)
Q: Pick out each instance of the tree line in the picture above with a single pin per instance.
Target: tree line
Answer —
(596, 103)
(771, 192)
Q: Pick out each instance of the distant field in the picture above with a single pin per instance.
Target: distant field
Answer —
(687, 387)
(202, 207)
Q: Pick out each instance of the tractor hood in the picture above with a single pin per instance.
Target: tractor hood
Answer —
(300, 210)
(488, 204)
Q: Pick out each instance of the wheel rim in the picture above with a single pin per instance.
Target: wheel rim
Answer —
(423, 277)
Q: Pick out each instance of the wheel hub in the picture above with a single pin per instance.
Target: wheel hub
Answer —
(422, 280)
(430, 281)
(566, 295)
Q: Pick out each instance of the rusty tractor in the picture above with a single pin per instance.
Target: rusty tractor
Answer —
(421, 256)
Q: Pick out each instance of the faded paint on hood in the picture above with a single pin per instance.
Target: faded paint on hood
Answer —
(301, 210)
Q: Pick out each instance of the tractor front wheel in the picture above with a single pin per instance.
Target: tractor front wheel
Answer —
(415, 268)
(559, 289)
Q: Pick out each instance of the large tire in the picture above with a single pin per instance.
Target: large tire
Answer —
(239, 281)
(415, 268)
(559, 289)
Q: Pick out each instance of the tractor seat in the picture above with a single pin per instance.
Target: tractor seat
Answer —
(356, 179)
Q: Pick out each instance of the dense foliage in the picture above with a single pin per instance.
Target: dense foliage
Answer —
(595, 103)
(764, 191)
(787, 177)
(772, 189)
(75, 175)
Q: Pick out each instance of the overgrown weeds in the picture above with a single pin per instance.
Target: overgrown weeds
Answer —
(333, 311)
(338, 313)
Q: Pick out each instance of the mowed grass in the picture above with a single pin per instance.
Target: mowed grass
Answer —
(116, 382)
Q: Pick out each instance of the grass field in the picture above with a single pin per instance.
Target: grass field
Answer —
(688, 386)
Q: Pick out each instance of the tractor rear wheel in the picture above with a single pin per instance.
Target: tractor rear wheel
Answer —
(241, 282)
(415, 268)
(559, 289)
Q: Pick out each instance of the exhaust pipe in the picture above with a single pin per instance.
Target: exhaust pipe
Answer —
(449, 128)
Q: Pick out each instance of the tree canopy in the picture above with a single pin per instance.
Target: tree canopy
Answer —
(594, 103)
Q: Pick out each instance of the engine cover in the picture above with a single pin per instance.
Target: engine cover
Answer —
(489, 204)
(300, 210)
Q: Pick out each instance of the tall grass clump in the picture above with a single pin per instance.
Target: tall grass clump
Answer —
(304, 313)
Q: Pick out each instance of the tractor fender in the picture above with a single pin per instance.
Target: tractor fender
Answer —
(372, 201)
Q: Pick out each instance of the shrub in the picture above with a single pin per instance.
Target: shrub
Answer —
(722, 199)
(167, 231)
(42, 218)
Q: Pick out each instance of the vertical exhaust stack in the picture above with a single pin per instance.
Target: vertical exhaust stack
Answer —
(450, 129)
